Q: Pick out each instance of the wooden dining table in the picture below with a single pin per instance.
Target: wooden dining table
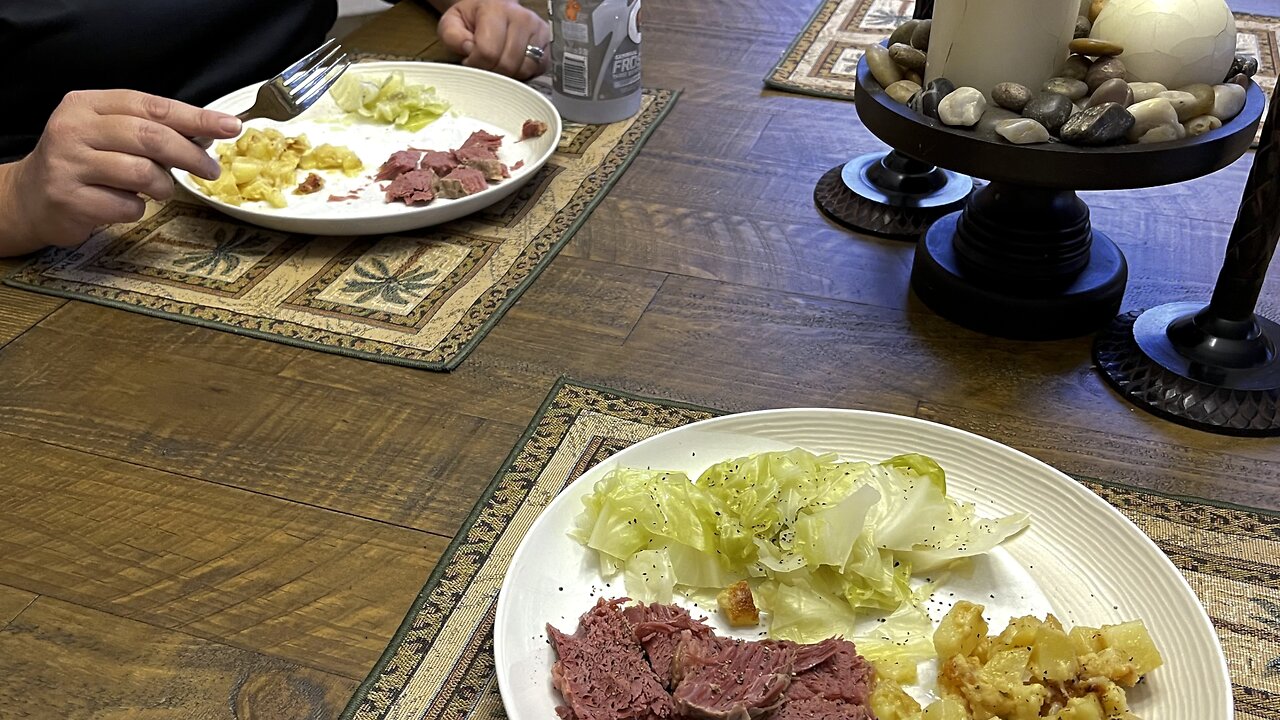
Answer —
(197, 524)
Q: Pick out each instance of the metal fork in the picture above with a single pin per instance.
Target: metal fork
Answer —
(295, 89)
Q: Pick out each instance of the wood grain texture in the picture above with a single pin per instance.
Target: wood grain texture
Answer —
(318, 588)
(59, 661)
(12, 602)
(19, 310)
(245, 426)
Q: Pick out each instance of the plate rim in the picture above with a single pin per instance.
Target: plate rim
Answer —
(1219, 664)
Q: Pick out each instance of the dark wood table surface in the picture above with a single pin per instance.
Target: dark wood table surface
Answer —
(200, 525)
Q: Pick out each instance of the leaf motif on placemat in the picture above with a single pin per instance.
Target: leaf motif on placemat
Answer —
(232, 243)
(1272, 620)
(392, 287)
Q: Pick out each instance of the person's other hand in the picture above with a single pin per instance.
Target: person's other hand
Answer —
(493, 35)
(101, 151)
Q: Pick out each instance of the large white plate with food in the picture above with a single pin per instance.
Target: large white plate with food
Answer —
(1080, 558)
(479, 100)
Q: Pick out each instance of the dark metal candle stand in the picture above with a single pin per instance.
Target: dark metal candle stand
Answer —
(1022, 260)
(1213, 367)
(890, 194)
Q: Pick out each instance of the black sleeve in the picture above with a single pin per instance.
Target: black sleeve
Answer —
(191, 50)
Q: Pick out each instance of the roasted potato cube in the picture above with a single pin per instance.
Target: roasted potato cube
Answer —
(960, 631)
(947, 708)
(1020, 632)
(1052, 657)
(890, 702)
(1086, 640)
(903, 673)
(1080, 708)
(1113, 700)
(738, 606)
(1111, 664)
(1134, 642)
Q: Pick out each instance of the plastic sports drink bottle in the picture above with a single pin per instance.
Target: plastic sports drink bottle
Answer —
(595, 56)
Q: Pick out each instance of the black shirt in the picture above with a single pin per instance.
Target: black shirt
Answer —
(192, 50)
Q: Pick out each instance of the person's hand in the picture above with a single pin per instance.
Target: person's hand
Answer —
(101, 151)
(493, 35)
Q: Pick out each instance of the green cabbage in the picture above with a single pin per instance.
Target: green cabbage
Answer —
(391, 101)
(826, 544)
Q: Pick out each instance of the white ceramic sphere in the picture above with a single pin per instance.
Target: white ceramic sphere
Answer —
(1172, 42)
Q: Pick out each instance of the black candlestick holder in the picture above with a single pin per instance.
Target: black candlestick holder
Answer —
(1022, 259)
(890, 194)
(1213, 367)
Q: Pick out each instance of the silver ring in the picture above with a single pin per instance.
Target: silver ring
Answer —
(534, 52)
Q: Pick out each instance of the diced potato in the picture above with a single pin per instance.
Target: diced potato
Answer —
(262, 163)
(903, 673)
(1134, 642)
(1113, 700)
(957, 672)
(1111, 664)
(1086, 640)
(948, 708)
(738, 606)
(890, 702)
(1080, 708)
(1006, 666)
(1052, 657)
(960, 630)
(1020, 632)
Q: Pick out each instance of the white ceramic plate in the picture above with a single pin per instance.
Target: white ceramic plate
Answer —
(480, 101)
(1080, 559)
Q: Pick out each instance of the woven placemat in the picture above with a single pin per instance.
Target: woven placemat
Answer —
(423, 298)
(823, 59)
(439, 666)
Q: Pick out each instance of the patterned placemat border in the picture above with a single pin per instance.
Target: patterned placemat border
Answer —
(579, 425)
(54, 271)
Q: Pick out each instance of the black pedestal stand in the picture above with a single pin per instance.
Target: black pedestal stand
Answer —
(890, 194)
(1023, 260)
(1213, 367)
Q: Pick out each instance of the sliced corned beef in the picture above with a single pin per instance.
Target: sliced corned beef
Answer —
(400, 162)
(601, 672)
(822, 709)
(493, 170)
(465, 154)
(461, 182)
(833, 670)
(440, 163)
(413, 187)
(660, 628)
(483, 139)
(724, 679)
(532, 129)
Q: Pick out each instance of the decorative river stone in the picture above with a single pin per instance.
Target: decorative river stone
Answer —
(1228, 101)
(903, 33)
(1101, 125)
(1201, 125)
(920, 36)
(902, 90)
(1243, 65)
(1095, 48)
(1011, 96)
(926, 101)
(1204, 98)
(1050, 110)
(986, 127)
(883, 67)
(1143, 91)
(907, 56)
(1022, 131)
(1115, 90)
(1148, 114)
(1104, 70)
(1076, 67)
(1073, 89)
(1184, 103)
(962, 108)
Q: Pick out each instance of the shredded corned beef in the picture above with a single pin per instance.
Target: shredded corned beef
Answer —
(601, 672)
(461, 182)
(709, 677)
(440, 163)
(400, 162)
(532, 129)
(725, 679)
(413, 187)
(660, 628)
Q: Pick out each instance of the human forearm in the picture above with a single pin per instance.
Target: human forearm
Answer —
(15, 236)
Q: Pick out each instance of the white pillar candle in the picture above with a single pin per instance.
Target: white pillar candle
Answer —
(981, 43)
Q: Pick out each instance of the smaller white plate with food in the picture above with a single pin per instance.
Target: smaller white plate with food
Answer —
(418, 144)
